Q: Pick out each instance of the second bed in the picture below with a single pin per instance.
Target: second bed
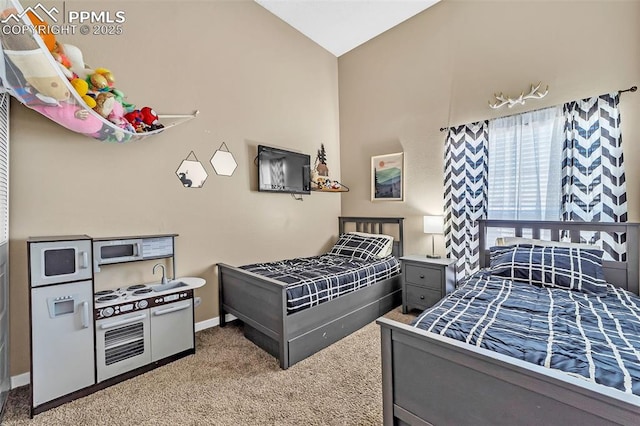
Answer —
(294, 308)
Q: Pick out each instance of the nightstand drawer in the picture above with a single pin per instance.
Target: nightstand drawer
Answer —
(420, 275)
(421, 298)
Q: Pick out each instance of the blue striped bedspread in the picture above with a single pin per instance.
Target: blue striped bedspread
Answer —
(318, 279)
(596, 338)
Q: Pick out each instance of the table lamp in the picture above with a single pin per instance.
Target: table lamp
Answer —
(433, 225)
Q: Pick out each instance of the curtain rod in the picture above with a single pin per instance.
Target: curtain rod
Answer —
(630, 89)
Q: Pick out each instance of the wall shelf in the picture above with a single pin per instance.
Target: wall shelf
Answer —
(343, 189)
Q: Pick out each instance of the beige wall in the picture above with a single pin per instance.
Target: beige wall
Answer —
(254, 80)
(442, 66)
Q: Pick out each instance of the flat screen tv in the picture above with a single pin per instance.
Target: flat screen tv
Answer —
(280, 170)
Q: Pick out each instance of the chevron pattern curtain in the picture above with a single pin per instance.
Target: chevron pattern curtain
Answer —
(593, 179)
(465, 180)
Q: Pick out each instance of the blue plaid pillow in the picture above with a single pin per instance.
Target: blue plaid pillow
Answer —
(359, 247)
(564, 267)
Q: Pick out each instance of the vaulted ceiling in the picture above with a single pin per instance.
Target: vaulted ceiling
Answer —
(341, 25)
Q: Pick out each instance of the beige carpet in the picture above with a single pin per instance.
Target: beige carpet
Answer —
(230, 381)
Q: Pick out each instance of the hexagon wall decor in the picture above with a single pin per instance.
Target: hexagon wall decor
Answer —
(223, 162)
(191, 172)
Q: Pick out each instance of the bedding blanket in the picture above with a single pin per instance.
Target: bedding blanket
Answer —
(597, 338)
(314, 280)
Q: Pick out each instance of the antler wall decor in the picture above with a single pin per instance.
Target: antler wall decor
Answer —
(535, 93)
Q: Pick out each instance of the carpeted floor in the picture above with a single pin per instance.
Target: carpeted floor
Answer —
(230, 381)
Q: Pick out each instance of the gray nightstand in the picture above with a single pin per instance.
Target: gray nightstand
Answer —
(425, 281)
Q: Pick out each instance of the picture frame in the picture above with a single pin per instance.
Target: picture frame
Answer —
(387, 177)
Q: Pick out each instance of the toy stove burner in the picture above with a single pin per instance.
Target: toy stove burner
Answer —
(124, 295)
(136, 287)
(107, 298)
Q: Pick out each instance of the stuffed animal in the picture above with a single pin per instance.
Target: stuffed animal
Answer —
(43, 30)
(74, 55)
(63, 61)
(119, 95)
(28, 62)
(149, 116)
(71, 116)
(108, 76)
(104, 104)
(143, 120)
(39, 73)
(135, 119)
(97, 82)
(82, 88)
(117, 117)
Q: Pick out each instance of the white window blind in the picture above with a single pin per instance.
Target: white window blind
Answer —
(525, 166)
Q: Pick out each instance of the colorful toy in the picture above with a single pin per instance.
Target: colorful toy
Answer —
(44, 84)
(39, 73)
(97, 82)
(143, 120)
(119, 95)
(104, 104)
(135, 119)
(107, 75)
(71, 116)
(74, 55)
(43, 30)
(82, 88)
(117, 117)
(63, 61)
(149, 116)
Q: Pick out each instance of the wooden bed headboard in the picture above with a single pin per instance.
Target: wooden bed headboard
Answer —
(375, 225)
(621, 274)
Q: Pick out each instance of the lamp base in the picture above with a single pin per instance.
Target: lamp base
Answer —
(433, 256)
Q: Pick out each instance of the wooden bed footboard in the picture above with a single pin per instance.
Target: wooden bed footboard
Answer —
(257, 301)
(431, 379)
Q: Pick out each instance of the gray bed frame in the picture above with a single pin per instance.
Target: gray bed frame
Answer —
(261, 303)
(429, 379)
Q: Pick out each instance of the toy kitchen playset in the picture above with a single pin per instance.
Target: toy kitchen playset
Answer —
(83, 340)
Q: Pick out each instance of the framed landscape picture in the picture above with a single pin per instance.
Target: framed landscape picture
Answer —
(387, 177)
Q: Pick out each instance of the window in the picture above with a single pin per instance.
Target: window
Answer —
(525, 166)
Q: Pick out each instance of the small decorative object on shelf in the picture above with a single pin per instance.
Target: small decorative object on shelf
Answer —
(320, 180)
(191, 172)
(328, 185)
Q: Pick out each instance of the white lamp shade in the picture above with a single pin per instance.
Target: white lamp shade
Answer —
(434, 224)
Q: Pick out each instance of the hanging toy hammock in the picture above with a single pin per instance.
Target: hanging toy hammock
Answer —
(51, 78)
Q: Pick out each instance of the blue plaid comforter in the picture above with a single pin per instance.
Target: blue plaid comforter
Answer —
(314, 280)
(597, 338)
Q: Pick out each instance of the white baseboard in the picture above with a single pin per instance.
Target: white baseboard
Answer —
(20, 380)
(25, 378)
(213, 322)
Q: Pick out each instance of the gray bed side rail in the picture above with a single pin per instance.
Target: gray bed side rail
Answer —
(439, 380)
